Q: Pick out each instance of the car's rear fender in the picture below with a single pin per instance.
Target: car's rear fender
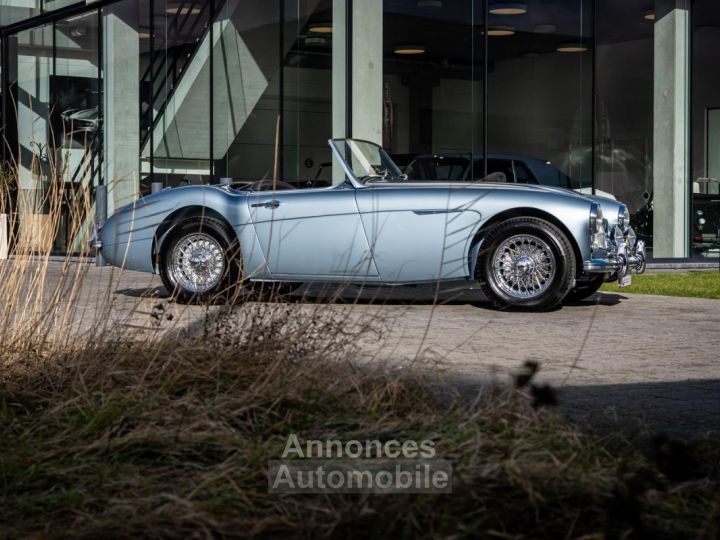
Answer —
(132, 237)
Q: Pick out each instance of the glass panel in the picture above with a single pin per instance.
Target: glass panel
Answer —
(12, 11)
(705, 215)
(176, 87)
(75, 90)
(247, 91)
(433, 87)
(624, 108)
(440, 167)
(540, 88)
(59, 127)
(307, 91)
(141, 22)
(76, 118)
(34, 153)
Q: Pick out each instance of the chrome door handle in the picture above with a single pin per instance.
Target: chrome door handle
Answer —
(268, 204)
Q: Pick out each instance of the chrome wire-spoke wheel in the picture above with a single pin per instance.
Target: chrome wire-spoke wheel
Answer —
(197, 263)
(524, 266)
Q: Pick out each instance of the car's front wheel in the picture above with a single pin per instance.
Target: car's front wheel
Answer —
(527, 263)
(200, 260)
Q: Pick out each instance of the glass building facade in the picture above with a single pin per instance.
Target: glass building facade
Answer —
(618, 97)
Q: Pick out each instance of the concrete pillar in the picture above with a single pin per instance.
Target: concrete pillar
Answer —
(366, 74)
(121, 106)
(339, 80)
(367, 70)
(671, 137)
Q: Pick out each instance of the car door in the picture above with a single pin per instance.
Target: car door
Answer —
(312, 233)
(418, 233)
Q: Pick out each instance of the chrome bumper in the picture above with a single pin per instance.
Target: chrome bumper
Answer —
(624, 256)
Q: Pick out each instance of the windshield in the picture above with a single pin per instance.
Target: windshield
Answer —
(368, 161)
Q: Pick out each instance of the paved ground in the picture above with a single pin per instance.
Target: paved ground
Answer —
(646, 359)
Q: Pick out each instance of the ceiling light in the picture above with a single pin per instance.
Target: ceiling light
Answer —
(501, 31)
(144, 35)
(571, 47)
(544, 28)
(78, 31)
(649, 15)
(508, 8)
(315, 40)
(182, 11)
(436, 4)
(321, 27)
(410, 49)
(707, 29)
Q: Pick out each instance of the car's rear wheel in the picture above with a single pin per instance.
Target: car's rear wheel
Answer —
(200, 261)
(526, 262)
(585, 287)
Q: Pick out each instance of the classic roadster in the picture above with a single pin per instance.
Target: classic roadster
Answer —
(527, 246)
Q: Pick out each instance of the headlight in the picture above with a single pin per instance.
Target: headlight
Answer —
(597, 228)
(623, 216)
(618, 236)
(631, 238)
(596, 219)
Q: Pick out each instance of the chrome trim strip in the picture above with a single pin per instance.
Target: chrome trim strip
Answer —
(430, 212)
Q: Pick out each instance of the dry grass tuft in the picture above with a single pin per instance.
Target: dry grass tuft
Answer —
(173, 440)
(35, 315)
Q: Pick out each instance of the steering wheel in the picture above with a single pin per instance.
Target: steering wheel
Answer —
(382, 175)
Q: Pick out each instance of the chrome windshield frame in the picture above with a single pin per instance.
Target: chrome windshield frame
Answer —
(354, 180)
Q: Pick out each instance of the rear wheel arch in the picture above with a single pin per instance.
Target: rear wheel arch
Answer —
(183, 214)
(199, 260)
(514, 213)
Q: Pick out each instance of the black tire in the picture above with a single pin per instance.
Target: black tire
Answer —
(584, 288)
(218, 235)
(517, 247)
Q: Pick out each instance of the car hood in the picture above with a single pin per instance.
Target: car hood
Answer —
(488, 185)
(606, 202)
(610, 206)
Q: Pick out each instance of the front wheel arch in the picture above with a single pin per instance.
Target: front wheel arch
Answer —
(498, 218)
(548, 265)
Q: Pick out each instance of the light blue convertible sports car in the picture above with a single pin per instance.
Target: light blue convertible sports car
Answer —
(527, 246)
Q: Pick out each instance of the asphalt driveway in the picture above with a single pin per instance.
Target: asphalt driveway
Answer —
(640, 360)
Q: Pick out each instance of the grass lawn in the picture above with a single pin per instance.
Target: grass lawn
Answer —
(697, 284)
